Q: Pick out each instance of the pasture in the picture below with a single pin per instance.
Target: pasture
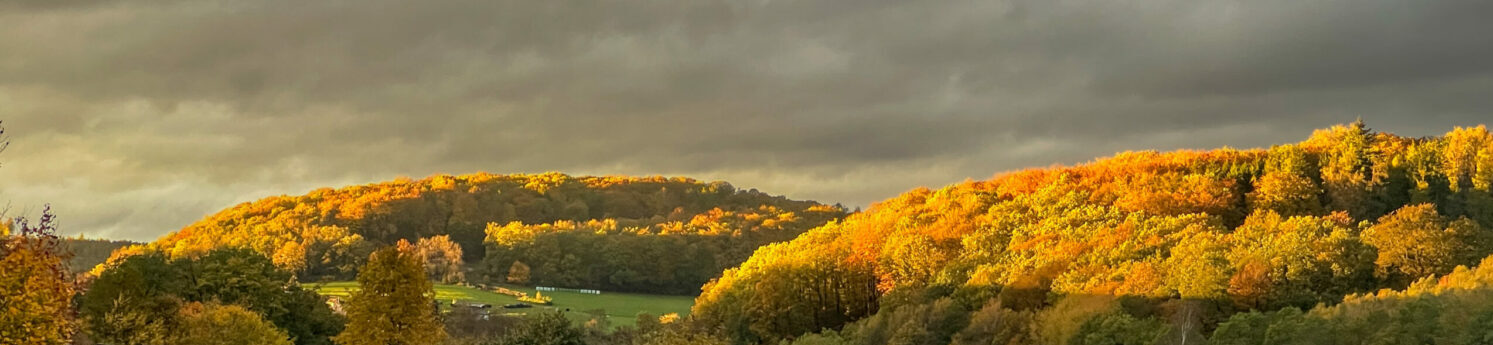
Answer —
(621, 309)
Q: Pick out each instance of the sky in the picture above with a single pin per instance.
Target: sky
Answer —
(134, 118)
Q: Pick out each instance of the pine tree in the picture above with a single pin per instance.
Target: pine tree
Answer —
(393, 305)
(1347, 162)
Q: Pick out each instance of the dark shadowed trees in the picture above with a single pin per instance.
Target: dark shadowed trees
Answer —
(139, 297)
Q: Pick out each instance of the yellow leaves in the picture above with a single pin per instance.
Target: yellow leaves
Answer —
(1251, 283)
(1461, 155)
(1287, 193)
(1040, 240)
(538, 298)
(510, 234)
(1483, 179)
(1158, 224)
(824, 209)
(1417, 241)
(668, 318)
(392, 290)
(603, 182)
(1141, 279)
(545, 182)
(1174, 193)
(914, 258)
(290, 256)
(36, 293)
(1116, 237)
(215, 324)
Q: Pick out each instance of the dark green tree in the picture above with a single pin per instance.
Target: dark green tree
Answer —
(137, 297)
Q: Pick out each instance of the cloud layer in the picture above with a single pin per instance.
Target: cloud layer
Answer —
(136, 117)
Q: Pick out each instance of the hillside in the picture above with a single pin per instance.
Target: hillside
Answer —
(677, 233)
(1139, 248)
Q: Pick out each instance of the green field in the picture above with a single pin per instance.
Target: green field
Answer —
(621, 308)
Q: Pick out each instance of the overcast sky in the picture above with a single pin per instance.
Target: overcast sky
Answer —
(137, 117)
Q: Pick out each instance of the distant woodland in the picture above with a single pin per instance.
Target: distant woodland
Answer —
(88, 253)
(642, 234)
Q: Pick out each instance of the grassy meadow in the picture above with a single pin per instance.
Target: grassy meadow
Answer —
(621, 308)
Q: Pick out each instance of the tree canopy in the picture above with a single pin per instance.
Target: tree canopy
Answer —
(214, 324)
(1163, 240)
(139, 299)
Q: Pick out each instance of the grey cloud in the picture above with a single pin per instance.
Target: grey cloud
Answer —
(136, 117)
(1286, 46)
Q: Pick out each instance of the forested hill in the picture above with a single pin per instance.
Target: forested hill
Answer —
(1144, 248)
(679, 232)
(88, 253)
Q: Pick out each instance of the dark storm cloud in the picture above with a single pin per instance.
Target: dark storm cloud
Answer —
(137, 117)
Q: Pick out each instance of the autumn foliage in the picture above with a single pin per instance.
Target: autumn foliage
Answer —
(460, 222)
(36, 288)
(394, 303)
(1171, 242)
